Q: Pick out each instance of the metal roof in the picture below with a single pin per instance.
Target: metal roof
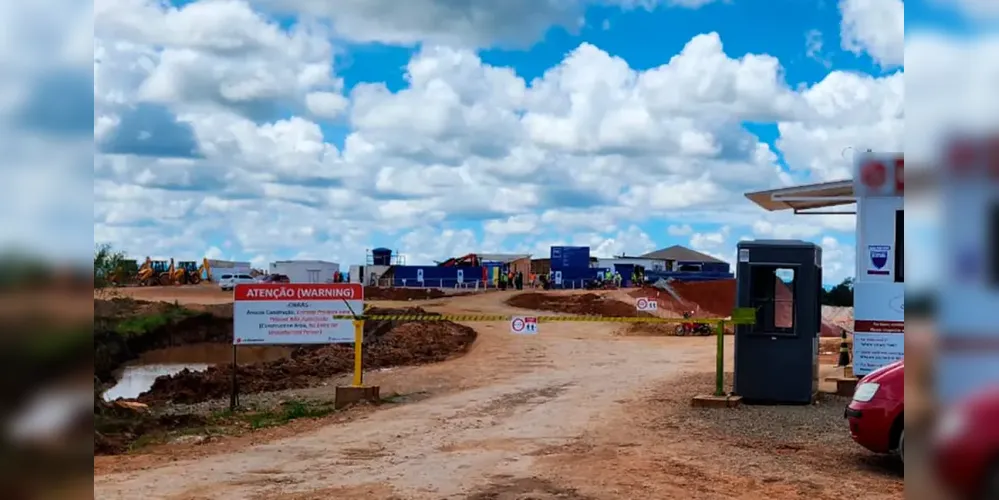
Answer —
(502, 257)
(805, 197)
(679, 253)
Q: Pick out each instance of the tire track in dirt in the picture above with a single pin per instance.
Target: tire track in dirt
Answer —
(524, 395)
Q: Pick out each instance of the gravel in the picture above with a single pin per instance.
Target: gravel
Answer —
(803, 446)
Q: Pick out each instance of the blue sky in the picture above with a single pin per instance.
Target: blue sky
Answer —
(510, 137)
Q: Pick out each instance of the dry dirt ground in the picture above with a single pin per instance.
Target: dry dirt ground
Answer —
(576, 412)
(191, 294)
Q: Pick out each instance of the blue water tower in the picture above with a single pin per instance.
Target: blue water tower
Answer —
(381, 257)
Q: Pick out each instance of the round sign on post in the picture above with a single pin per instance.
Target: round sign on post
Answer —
(646, 304)
(873, 175)
(524, 325)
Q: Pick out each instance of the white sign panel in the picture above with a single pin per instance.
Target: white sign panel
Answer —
(646, 304)
(879, 326)
(524, 325)
(878, 291)
(419, 275)
(558, 277)
(461, 276)
(283, 313)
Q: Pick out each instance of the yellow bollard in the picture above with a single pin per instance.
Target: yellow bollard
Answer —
(358, 353)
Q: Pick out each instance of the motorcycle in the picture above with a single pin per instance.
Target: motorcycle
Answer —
(692, 329)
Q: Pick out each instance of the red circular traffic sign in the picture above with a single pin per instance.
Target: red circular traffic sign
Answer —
(517, 325)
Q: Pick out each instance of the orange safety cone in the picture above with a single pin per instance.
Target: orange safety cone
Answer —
(844, 351)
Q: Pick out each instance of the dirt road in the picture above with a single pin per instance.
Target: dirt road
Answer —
(542, 416)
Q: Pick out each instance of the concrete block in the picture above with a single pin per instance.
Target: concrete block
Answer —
(712, 401)
(348, 395)
(845, 386)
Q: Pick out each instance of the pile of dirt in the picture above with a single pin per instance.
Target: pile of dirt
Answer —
(717, 299)
(589, 304)
(117, 426)
(387, 344)
(380, 293)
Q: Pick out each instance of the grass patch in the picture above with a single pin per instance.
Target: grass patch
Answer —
(140, 325)
(412, 397)
(288, 411)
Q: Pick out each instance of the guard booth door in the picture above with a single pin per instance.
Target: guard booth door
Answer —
(776, 359)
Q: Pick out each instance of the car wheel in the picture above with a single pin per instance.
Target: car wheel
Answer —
(990, 488)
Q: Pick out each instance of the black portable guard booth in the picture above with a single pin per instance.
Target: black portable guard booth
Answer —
(777, 359)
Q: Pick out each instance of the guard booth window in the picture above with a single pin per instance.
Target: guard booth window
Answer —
(899, 246)
(772, 295)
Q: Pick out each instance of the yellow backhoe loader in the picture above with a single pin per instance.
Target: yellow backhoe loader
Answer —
(188, 272)
(147, 275)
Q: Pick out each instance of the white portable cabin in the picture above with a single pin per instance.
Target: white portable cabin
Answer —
(878, 290)
(219, 268)
(306, 271)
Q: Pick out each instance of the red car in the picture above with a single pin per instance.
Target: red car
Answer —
(875, 414)
(275, 278)
(966, 447)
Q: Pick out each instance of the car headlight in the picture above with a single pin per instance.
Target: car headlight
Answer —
(865, 392)
(951, 425)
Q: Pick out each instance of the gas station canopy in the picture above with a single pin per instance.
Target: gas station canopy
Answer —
(806, 199)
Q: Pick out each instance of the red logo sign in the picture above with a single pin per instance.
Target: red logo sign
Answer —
(962, 156)
(993, 157)
(873, 175)
(900, 175)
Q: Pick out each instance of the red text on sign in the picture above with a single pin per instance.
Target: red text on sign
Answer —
(296, 291)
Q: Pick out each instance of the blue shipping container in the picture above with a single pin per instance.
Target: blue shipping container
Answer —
(576, 277)
(570, 257)
(435, 276)
(716, 267)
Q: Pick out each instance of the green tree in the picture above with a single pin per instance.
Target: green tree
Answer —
(107, 264)
(840, 295)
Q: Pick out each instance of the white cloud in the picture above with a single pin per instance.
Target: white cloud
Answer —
(838, 260)
(679, 230)
(470, 23)
(467, 156)
(951, 88)
(814, 48)
(875, 27)
(711, 240)
(980, 10)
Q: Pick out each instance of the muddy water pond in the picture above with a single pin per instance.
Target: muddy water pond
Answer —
(137, 376)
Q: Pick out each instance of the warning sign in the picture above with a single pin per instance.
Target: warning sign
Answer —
(646, 304)
(524, 325)
(273, 313)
